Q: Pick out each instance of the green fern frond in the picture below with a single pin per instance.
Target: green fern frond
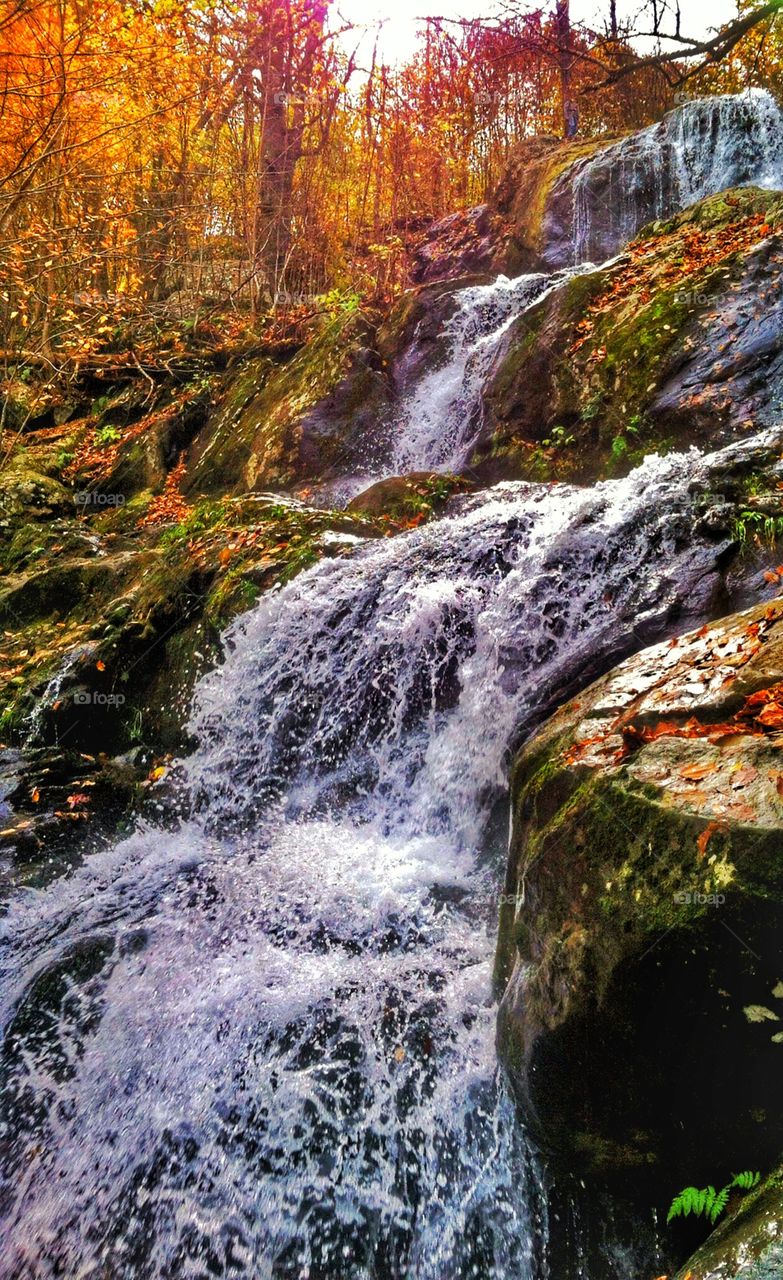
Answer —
(684, 1204)
(718, 1205)
(706, 1201)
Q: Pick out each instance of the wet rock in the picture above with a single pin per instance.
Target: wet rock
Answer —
(281, 424)
(414, 495)
(642, 912)
(702, 147)
(473, 242)
(749, 1244)
(678, 342)
(524, 197)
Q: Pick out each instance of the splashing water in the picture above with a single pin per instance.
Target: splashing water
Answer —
(440, 421)
(697, 150)
(261, 1044)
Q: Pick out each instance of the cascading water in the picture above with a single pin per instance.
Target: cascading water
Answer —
(259, 1041)
(440, 420)
(700, 148)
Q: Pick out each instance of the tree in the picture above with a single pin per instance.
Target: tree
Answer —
(565, 60)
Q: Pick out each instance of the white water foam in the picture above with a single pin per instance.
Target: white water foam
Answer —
(261, 1043)
(697, 150)
(439, 422)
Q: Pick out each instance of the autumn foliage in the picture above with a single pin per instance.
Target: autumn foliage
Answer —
(172, 158)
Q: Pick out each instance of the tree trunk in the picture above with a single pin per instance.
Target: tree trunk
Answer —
(569, 107)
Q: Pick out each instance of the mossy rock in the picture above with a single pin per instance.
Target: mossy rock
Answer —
(279, 424)
(667, 347)
(749, 1244)
(639, 919)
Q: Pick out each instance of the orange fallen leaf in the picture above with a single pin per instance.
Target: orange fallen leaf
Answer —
(697, 771)
(706, 835)
(100, 665)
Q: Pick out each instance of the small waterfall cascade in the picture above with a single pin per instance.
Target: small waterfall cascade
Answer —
(439, 421)
(698, 149)
(258, 1039)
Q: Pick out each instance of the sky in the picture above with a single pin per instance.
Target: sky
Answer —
(399, 17)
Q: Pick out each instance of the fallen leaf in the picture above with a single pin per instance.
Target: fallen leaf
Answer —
(758, 1013)
(706, 835)
(697, 771)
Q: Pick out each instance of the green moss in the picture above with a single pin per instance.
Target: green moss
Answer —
(255, 435)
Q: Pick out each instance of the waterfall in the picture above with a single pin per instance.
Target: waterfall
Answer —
(439, 422)
(697, 150)
(257, 1038)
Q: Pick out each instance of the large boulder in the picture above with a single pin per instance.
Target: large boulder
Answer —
(639, 958)
(470, 242)
(278, 424)
(600, 200)
(680, 341)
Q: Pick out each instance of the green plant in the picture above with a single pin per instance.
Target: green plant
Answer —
(559, 439)
(107, 435)
(707, 1202)
(764, 528)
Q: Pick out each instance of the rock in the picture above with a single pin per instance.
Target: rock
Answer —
(698, 149)
(407, 497)
(473, 242)
(642, 912)
(301, 420)
(524, 197)
(749, 1244)
(411, 337)
(666, 346)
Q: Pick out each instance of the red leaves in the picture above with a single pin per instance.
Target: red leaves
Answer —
(760, 714)
(701, 250)
(169, 507)
(706, 835)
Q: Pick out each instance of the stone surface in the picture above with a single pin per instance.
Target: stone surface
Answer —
(749, 1244)
(679, 342)
(642, 915)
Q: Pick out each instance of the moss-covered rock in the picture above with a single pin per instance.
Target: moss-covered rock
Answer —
(279, 424)
(749, 1244)
(524, 193)
(666, 346)
(407, 500)
(641, 912)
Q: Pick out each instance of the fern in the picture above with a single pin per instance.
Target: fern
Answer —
(746, 1180)
(706, 1202)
